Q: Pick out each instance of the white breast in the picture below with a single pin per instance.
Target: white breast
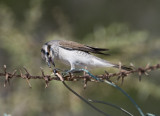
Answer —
(80, 58)
(73, 56)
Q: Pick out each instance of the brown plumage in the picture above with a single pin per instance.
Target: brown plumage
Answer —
(76, 46)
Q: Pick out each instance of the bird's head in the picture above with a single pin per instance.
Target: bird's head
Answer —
(47, 54)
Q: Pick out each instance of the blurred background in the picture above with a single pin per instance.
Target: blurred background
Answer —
(130, 29)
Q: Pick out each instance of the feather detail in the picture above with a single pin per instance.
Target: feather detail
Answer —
(70, 45)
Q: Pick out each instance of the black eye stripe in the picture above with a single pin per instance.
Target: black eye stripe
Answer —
(48, 50)
(43, 51)
(47, 54)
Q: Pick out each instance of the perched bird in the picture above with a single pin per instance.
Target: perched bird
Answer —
(75, 54)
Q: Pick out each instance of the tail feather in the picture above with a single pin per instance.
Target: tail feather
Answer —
(103, 63)
(99, 50)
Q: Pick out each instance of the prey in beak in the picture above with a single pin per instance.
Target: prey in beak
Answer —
(49, 61)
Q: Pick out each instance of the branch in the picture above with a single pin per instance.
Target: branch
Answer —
(87, 76)
(47, 78)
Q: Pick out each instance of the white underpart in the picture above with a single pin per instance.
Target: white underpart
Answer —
(80, 58)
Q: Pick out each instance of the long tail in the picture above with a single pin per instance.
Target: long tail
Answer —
(123, 67)
(103, 63)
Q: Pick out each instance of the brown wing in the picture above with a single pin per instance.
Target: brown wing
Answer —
(76, 46)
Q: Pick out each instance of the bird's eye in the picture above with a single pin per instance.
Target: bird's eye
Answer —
(47, 54)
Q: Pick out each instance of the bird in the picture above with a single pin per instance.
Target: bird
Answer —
(75, 54)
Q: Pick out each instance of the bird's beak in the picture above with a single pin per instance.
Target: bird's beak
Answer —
(50, 61)
(49, 65)
(53, 63)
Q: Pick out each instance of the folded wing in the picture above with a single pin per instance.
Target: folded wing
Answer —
(76, 46)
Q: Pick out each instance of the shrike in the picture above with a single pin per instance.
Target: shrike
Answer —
(75, 54)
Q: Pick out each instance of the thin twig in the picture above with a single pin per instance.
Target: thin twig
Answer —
(100, 78)
(106, 76)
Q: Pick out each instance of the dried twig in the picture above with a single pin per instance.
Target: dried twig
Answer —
(107, 76)
(87, 77)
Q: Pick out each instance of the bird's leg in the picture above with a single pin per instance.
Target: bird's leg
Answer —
(71, 71)
(75, 71)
